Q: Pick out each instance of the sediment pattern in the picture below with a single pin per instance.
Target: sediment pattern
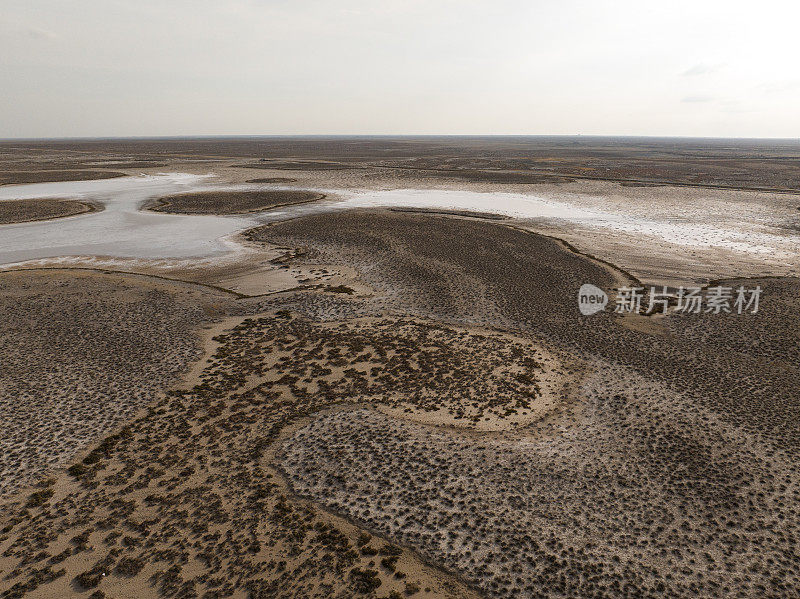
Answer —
(21, 211)
(80, 353)
(230, 202)
(183, 501)
(638, 494)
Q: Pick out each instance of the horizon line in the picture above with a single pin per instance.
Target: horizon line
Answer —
(388, 135)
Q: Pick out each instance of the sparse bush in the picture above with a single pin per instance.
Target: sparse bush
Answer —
(364, 581)
(38, 498)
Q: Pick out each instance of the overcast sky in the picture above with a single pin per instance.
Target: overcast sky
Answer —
(197, 67)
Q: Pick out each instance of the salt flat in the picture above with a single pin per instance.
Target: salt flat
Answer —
(755, 234)
(121, 229)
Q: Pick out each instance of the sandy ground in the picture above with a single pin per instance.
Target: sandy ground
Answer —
(184, 499)
(385, 403)
(600, 444)
(82, 352)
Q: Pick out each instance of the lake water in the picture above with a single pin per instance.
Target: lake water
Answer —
(122, 230)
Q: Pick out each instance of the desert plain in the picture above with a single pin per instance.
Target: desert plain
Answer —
(355, 367)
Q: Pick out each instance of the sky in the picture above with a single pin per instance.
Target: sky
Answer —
(75, 68)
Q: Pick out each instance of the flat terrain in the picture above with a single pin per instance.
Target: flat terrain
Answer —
(735, 164)
(389, 402)
(272, 180)
(22, 211)
(19, 177)
(184, 500)
(231, 202)
(446, 269)
(81, 353)
(678, 210)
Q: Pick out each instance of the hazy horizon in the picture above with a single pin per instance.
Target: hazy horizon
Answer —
(121, 68)
(244, 136)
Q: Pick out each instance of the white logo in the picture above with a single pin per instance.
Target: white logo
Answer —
(591, 299)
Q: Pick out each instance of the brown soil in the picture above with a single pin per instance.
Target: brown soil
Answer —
(423, 413)
(231, 202)
(81, 353)
(465, 213)
(644, 466)
(21, 211)
(272, 180)
(300, 165)
(17, 177)
(184, 500)
(446, 268)
(130, 164)
(488, 176)
(733, 164)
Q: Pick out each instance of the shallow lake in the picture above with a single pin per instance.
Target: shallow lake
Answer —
(122, 230)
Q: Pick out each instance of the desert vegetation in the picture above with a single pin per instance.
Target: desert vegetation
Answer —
(81, 353)
(183, 501)
(635, 492)
(230, 202)
(21, 211)
(424, 414)
(272, 180)
(43, 176)
(447, 269)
